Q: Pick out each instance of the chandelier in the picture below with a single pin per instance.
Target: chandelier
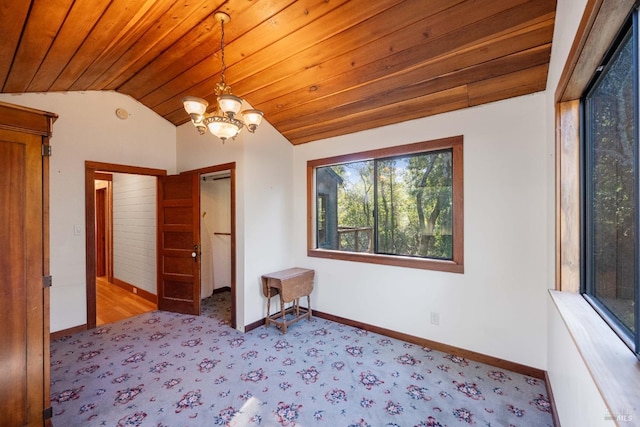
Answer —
(227, 121)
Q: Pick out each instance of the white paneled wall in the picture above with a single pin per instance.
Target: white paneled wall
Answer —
(134, 230)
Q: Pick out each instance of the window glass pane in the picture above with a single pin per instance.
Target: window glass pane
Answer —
(322, 220)
(394, 206)
(414, 200)
(349, 205)
(611, 183)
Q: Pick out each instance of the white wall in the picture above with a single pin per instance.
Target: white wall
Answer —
(134, 230)
(263, 204)
(498, 306)
(578, 402)
(88, 129)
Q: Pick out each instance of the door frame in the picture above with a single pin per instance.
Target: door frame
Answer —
(91, 168)
(231, 168)
(108, 178)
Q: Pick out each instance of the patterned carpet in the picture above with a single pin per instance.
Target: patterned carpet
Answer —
(171, 370)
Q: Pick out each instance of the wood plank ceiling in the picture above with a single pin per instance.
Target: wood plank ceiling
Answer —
(317, 68)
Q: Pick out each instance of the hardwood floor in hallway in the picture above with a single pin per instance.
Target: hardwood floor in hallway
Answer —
(114, 303)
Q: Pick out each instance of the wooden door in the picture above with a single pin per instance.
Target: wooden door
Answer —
(179, 243)
(23, 326)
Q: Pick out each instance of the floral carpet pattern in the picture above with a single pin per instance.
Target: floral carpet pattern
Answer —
(170, 370)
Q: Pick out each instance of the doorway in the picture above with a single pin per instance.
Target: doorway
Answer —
(215, 245)
(125, 278)
(218, 236)
(92, 171)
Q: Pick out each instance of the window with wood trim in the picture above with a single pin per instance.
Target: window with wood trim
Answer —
(610, 192)
(398, 206)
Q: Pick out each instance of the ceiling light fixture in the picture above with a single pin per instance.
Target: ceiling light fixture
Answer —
(225, 122)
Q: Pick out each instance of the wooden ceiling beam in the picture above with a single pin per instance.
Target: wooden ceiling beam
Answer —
(392, 91)
(325, 27)
(426, 32)
(395, 30)
(115, 19)
(394, 70)
(511, 85)
(408, 29)
(519, 83)
(42, 26)
(308, 51)
(150, 34)
(401, 23)
(206, 71)
(494, 27)
(196, 45)
(13, 17)
(78, 24)
(144, 51)
(448, 100)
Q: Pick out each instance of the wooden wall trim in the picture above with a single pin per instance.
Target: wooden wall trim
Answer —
(598, 28)
(568, 197)
(90, 244)
(69, 331)
(140, 292)
(26, 120)
(112, 167)
(104, 176)
(211, 169)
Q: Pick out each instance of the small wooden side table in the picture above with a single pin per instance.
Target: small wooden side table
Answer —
(291, 284)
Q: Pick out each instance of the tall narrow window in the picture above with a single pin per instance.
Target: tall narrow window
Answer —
(611, 189)
(398, 206)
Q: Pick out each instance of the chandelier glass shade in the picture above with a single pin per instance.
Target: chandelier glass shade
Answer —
(227, 121)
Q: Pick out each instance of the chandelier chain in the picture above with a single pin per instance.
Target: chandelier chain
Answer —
(224, 66)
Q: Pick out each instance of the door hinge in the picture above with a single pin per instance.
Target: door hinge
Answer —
(46, 150)
(47, 281)
(47, 413)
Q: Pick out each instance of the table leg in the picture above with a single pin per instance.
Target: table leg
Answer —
(284, 318)
(267, 320)
(309, 307)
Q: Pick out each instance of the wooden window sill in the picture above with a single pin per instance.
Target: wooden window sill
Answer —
(612, 365)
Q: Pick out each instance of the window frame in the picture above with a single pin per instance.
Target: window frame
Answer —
(612, 368)
(587, 286)
(455, 265)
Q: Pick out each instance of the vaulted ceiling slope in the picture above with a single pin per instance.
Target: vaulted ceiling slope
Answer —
(317, 68)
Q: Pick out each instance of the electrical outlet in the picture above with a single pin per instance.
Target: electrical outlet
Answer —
(135, 290)
(77, 230)
(435, 318)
